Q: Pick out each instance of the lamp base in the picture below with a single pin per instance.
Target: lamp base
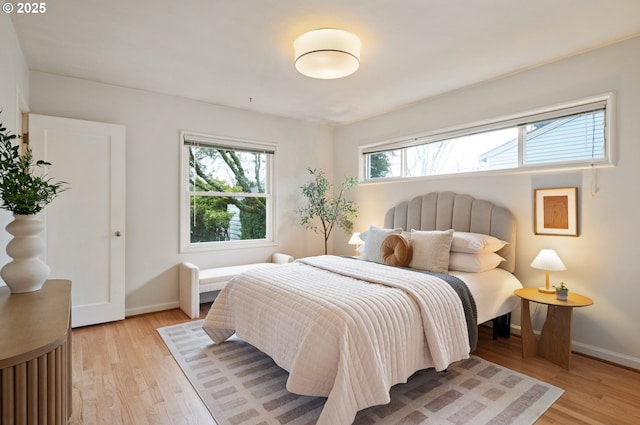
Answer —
(547, 291)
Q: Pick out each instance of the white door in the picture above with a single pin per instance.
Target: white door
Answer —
(85, 240)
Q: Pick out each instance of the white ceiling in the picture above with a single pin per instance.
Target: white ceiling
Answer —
(239, 53)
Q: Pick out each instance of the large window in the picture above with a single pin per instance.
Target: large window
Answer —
(574, 135)
(227, 192)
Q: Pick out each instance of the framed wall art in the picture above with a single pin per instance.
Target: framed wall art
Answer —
(556, 211)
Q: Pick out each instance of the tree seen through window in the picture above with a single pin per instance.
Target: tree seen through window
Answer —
(228, 194)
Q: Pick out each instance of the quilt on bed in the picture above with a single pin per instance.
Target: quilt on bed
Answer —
(337, 334)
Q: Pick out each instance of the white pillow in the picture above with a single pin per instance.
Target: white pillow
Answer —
(474, 263)
(475, 243)
(431, 250)
(373, 241)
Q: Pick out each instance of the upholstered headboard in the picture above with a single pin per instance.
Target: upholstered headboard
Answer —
(448, 210)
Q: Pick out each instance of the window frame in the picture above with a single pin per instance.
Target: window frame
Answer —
(185, 193)
(557, 111)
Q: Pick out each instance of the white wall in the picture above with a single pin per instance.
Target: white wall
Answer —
(14, 93)
(603, 261)
(153, 123)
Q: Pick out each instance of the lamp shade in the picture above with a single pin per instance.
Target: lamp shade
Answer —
(355, 239)
(327, 53)
(548, 259)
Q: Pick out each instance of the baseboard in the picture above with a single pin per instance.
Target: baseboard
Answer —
(151, 308)
(607, 355)
(596, 352)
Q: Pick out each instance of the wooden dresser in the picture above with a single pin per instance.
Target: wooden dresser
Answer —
(35, 355)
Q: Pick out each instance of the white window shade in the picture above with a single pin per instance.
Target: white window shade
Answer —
(572, 135)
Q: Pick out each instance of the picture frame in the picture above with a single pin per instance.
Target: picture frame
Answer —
(556, 211)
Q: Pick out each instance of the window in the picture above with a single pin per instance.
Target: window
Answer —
(227, 192)
(574, 135)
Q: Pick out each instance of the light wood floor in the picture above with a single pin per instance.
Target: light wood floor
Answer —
(124, 374)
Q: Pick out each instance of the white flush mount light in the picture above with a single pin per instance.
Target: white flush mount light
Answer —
(327, 53)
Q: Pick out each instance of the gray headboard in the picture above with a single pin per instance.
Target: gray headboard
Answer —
(448, 210)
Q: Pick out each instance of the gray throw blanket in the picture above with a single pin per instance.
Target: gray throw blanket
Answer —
(468, 303)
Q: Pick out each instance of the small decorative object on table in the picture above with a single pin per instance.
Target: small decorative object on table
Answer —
(25, 194)
(562, 292)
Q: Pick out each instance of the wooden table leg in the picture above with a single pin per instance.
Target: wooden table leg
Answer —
(529, 341)
(555, 338)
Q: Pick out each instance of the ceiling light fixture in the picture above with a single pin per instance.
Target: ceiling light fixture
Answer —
(327, 53)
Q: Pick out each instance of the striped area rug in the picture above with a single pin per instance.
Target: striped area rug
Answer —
(242, 386)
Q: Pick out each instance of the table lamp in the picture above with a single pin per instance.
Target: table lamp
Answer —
(547, 260)
(355, 240)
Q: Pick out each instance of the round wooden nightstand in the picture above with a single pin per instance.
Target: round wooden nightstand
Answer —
(555, 337)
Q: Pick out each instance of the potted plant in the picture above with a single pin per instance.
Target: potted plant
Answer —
(331, 209)
(562, 292)
(24, 192)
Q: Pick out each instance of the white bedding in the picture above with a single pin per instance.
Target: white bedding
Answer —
(326, 331)
(492, 291)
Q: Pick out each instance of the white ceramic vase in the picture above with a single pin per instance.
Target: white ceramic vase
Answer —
(27, 272)
(562, 294)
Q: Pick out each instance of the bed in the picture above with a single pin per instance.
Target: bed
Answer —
(493, 290)
(348, 329)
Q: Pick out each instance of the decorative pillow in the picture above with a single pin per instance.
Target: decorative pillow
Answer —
(475, 243)
(373, 241)
(395, 251)
(431, 250)
(474, 263)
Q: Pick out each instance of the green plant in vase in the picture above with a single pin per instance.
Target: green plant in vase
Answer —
(562, 292)
(25, 192)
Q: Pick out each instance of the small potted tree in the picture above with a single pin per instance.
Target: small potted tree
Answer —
(24, 192)
(562, 292)
(331, 209)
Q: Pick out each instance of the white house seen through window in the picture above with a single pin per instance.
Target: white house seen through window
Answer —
(572, 136)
